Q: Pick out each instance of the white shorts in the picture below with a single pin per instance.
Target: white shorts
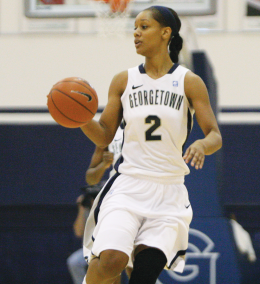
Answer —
(136, 211)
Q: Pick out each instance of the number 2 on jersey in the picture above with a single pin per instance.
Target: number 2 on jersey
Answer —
(156, 123)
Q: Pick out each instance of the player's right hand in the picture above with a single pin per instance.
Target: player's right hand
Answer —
(108, 158)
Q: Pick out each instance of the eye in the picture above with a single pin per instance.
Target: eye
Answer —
(143, 27)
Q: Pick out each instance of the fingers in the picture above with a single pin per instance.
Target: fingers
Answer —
(195, 157)
(186, 155)
(197, 161)
(108, 157)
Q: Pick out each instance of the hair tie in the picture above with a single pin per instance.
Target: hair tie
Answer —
(169, 18)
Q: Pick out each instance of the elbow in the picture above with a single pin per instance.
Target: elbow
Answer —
(220, 144)
(105, 141)
(103, 144)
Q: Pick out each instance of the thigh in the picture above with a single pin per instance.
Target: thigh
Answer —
(115, 230)
(158, 233)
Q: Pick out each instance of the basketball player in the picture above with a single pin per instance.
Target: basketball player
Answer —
(142, 214)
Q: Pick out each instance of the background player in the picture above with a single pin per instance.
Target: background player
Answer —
(102, 160)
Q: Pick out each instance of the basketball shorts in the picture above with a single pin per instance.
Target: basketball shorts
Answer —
(131, 212)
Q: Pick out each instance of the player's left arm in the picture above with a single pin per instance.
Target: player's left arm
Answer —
(197, 94)
(101, 160)
(80, 221)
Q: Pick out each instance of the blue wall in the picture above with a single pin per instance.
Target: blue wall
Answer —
(43, 164)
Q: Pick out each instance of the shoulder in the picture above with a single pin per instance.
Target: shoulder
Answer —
(121, 77)
(194, 85)
(191, 78)
(119, 81)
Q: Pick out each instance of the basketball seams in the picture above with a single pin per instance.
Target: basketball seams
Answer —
(72, 99)
(63, 113)
(86, 86)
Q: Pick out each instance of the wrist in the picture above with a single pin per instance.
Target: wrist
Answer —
(106, 165)
(201, 143)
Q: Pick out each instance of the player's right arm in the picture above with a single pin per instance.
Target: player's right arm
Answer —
(103, 131)
(101, 160)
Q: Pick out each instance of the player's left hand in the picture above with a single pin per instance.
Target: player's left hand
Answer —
(196, 154)
(80, 199)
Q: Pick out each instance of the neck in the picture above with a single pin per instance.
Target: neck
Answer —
(158, 66)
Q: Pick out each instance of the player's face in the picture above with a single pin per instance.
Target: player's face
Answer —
(147, 34)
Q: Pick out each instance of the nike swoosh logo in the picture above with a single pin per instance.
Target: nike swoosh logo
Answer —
(84, 94)
(135, 87)
(187, 206)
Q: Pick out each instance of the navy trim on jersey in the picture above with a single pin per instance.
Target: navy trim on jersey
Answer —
(122, 125)
(142, 70)
(119, 161)
(174, 67)
(179, 253)
(189, 127)
(103, 194)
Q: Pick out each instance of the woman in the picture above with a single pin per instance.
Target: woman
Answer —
(143, 213)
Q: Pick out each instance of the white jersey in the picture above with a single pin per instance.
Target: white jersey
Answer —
(126, 213)
(116, 147)
(158, 119)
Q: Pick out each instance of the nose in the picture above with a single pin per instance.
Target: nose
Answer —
(136, 32)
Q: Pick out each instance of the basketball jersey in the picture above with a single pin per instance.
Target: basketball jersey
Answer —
(158, 119)
(116, 147)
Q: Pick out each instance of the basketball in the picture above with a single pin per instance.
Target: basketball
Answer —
(72, 102)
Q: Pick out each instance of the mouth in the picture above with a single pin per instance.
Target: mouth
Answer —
(137, 43)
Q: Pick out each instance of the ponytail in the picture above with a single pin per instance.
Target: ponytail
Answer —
(175, 47)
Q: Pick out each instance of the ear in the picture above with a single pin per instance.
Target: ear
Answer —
(166, 32)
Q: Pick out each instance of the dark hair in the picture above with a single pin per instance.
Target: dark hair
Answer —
(176, 41)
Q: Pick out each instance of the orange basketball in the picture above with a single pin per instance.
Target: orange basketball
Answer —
(72, 102)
